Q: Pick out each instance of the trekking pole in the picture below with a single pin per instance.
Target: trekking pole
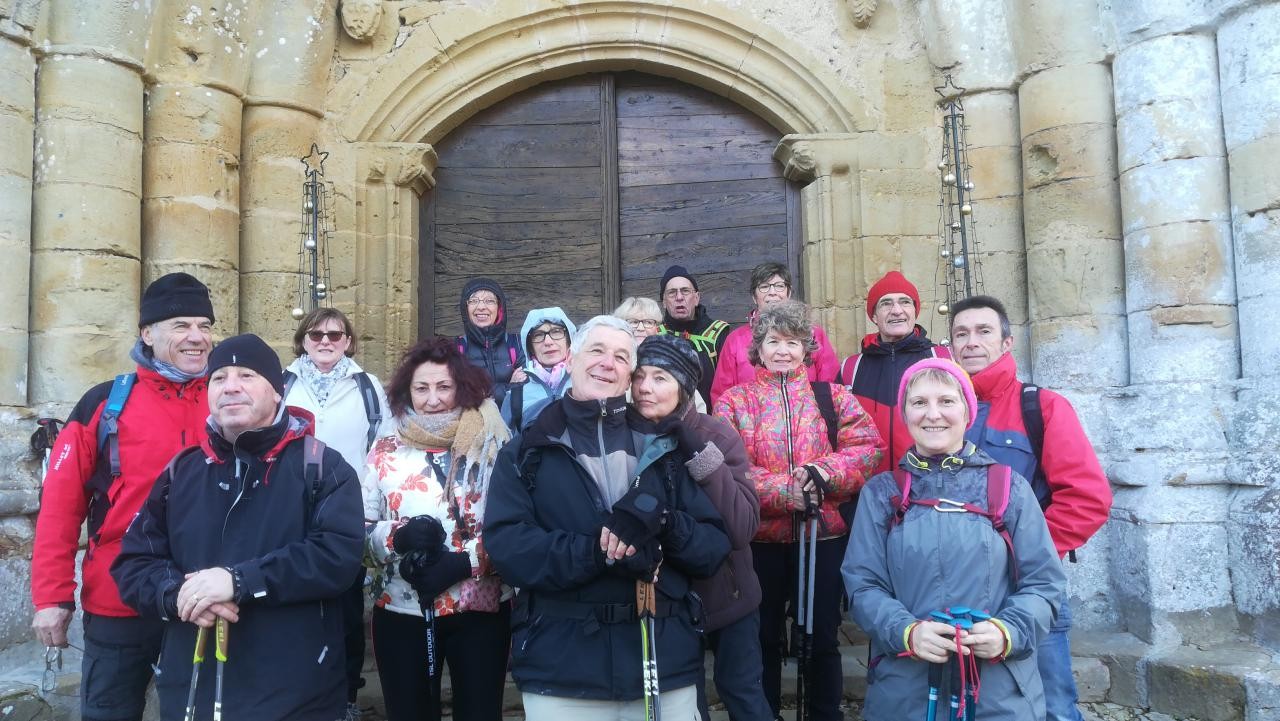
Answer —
(808, 606)
(220, 653)
(797, 628)
(646, 609)
(428, 606)
(202, 636)
(935, 683)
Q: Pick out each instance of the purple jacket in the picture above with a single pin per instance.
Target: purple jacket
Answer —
(721, 470)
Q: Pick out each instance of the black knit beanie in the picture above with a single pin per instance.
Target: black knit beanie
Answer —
(674, 355)
(675, 271)
(172, 296)
(249, 351)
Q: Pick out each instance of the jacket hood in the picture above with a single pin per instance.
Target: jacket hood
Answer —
(917, 341)
(537, 317)
(499, 328)
(291, 423)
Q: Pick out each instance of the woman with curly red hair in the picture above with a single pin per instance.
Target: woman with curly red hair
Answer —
(424, 494)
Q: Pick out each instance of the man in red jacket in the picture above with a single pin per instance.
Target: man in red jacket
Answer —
(104, 478)
(893, 304)
(1064, 472)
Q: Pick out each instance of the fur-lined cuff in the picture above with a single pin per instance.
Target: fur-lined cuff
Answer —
(703, 464)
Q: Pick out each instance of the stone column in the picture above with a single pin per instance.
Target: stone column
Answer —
(191, 152)
(1249, 72)
(85, 271)
(283, 109)
(17, 132)
(832, 257)
(391, 178)
(1075, 262)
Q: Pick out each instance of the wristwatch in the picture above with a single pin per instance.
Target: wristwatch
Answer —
(237, 582)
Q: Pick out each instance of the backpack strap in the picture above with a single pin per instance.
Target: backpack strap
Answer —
(902, 501)
(529, 467)
(512, 343)
(372, 408)
(827, 407)
(312, 472)
(849, 372)
(289, 379)
(516, 394)
(1033, 421)
(999, 480)
(108, 422)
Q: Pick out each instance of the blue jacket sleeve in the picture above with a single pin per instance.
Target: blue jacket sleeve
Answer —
(1028, 611)
(866, 570)
(525, 553)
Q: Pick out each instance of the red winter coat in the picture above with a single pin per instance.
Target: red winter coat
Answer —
(1077, 492)
(782, 428)
(159, 419)
(733, 366)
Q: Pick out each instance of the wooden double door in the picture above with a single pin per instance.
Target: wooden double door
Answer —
(581, 192)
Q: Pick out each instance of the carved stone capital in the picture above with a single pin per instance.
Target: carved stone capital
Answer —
(408, 165)
(805, 158)
(361, 18)
(862, 10)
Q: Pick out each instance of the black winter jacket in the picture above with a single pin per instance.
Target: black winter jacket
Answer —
(492, 348)
(246, 506)
(574, 632)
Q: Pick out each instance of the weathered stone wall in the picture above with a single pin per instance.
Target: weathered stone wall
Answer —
(1127, 202)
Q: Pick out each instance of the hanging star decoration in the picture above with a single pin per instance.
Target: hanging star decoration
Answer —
(314, 162)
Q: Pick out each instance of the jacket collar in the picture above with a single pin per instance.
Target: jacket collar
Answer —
(694, 325)
(159, 382)
(917, 341)
(921, 465)
(791, 378)
(265, 443)
(996, 380)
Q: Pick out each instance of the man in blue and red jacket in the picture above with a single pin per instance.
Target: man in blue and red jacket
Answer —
(893, 304)
(1065, 475)
(105, 478)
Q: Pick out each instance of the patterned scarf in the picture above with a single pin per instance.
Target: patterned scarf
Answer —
(551, 376)
(473, 436)
(166, 370)
(318, 382)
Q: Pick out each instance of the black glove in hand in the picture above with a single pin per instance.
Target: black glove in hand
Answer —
(642, 564)
(688, 442)
(421, 533)
(636, 517)
(430, 577)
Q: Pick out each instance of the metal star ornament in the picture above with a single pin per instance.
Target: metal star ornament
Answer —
(314, 162)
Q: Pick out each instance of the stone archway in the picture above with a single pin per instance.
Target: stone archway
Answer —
(434, 81)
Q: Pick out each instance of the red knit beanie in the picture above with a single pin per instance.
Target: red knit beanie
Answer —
(892, 282)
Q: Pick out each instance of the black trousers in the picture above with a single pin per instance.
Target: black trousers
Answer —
(474, 644)
(352, 604)
(776, 565)
(118, 653)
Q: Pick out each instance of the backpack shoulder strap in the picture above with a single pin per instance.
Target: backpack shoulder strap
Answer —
(902, 501)
(108, 422)
(849, 369)
(529, 467)
(372, 408)
(289, 379)
(1033, 421)
(516, 394)
(827, 407)
(313, 470)
(999, 481)
(512, 343)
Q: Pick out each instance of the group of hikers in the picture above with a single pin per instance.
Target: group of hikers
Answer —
(589, 506)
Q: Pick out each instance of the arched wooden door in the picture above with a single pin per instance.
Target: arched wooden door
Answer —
(581, 192)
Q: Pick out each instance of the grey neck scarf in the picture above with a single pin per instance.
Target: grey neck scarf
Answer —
(167, 370)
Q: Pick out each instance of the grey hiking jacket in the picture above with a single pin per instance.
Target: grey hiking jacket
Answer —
(935, 560)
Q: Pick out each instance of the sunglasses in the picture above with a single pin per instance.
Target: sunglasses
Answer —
(318, 335)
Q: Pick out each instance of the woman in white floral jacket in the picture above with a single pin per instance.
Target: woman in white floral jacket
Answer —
(424, 493)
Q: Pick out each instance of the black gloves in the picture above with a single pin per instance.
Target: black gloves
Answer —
(821, 487)
(688, 442)
(637, 517)
(430, 577)
(641, 565)
(421, 533)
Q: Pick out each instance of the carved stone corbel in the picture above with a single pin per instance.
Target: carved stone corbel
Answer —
(361, 18)
(862, 10)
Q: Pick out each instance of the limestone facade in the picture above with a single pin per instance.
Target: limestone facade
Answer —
(1127, 199)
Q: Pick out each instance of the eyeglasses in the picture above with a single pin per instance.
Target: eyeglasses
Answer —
(333, 335)
(766, 287)
(679, 292)
(487, 302)
(646, 323)
(554, 334)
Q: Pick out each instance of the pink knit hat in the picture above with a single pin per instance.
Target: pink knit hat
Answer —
(946, 366)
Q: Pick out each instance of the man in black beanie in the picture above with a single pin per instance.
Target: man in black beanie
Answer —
(686, 317)
(260, 526)
(106, 459)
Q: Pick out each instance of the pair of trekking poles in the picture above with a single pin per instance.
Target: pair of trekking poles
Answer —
(959, 671)
(806, 531)
(197, 661)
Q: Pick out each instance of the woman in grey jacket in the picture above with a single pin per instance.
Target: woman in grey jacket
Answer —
(907, 560)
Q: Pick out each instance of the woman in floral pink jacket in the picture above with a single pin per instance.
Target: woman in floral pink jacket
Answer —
(792, 463)
(424, 494)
